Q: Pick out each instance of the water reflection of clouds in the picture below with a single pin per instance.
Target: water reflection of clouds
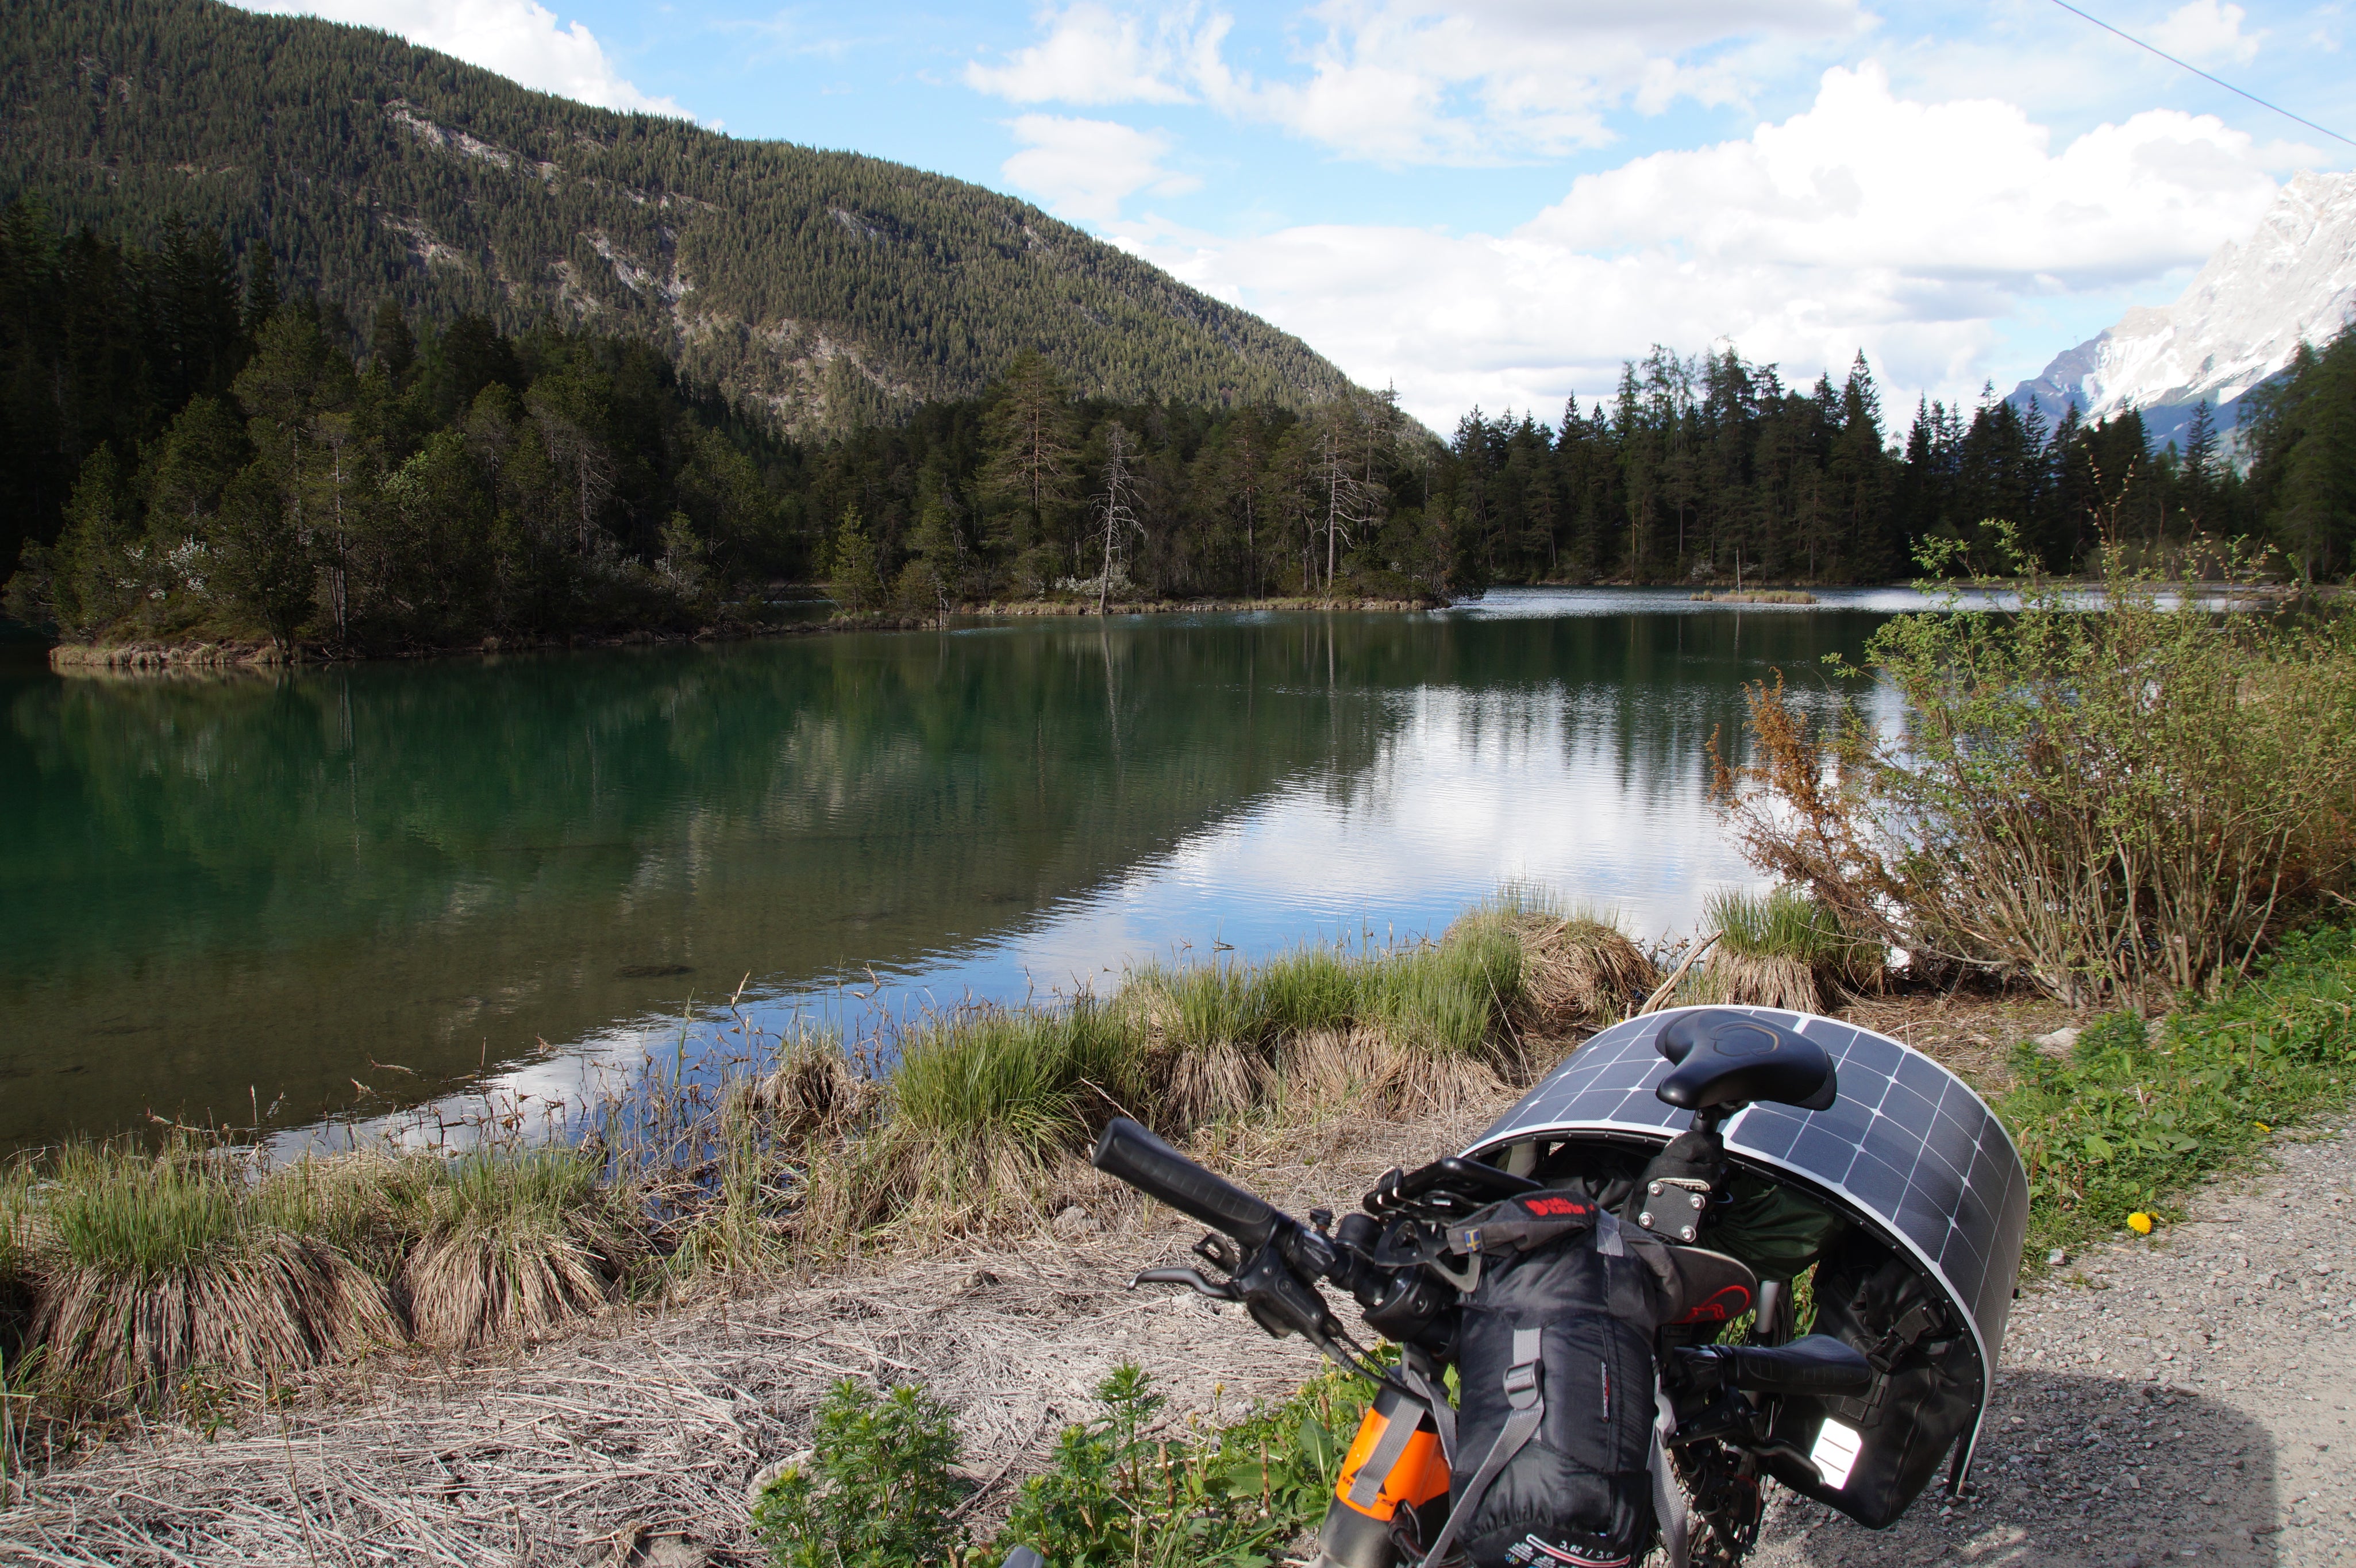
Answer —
(1472, 793)
(1594, 789)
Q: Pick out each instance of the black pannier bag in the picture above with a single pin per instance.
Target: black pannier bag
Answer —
(1557, 1397)
(1926, 1390)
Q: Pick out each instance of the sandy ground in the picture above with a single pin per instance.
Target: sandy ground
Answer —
(2182, 1398)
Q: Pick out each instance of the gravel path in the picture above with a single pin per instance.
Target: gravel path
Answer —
(2181, 1399)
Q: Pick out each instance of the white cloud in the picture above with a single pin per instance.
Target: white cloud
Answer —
(1910, 229)
(520, 39)
(1409, 82)
(2209, 33)
(1481, 81)
(1084, 168)
(1091, 55)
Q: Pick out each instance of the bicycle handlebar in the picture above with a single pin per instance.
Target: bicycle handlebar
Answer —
(1134, 1155)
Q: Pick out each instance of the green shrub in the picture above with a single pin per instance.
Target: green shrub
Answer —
(876, 1490)
(1115, 1497)
(2121, 796)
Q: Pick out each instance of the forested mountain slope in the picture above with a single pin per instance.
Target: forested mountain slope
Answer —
(828, 288)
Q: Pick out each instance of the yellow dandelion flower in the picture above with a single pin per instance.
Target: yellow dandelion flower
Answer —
(2139, 1223)
(2262, 1126)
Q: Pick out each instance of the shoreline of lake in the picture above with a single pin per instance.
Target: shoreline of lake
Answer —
(217, 655)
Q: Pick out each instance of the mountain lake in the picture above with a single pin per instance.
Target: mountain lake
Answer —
(348, 896)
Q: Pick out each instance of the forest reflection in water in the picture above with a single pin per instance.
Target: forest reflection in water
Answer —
(347, 887)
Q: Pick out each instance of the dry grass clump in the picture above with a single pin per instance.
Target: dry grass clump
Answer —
(1368, 1071)
(1582, 971)
(811, 1092)
(508, 1245)
(1781, 950)
(145, 1268)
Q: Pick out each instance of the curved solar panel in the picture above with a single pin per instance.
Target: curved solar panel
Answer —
(1907, 1144)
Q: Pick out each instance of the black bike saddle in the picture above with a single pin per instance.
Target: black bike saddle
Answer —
(1726, 1058)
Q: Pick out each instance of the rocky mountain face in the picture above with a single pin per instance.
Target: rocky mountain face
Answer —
(825, 289)
(2243, 317)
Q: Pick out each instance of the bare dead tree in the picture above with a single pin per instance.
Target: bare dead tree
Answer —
(1117, 506)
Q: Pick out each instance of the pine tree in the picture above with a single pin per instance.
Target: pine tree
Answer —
(854, 579)
(1029, 431)
(391, 346)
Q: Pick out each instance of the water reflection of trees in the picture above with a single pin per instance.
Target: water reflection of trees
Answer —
(1646, 691)
(271, 883)
(209, 886)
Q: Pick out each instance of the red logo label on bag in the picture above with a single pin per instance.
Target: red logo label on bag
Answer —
(1553, 1208)
(1728, 1303)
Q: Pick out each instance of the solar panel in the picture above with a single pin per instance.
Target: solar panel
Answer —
(1907, 1146)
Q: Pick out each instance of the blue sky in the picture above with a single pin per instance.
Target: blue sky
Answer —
(1495, 203)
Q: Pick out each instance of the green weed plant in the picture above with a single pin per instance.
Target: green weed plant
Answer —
(878, 1488)
(2137, 1115)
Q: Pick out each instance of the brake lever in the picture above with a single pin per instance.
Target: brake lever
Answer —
(1218, 1290)
(1220, 1253)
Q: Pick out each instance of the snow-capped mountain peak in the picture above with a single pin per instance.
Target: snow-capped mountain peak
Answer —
(2241, 321)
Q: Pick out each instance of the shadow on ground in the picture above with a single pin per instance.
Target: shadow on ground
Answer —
(2073, 1470)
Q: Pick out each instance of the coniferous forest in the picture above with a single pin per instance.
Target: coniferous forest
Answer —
(200, 452)
(825, 289)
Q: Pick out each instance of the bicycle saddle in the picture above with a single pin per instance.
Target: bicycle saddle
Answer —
(1726, 1058)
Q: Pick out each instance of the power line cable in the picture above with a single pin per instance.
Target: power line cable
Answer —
(2183, 64)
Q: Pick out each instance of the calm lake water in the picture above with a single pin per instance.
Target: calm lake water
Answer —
(421, 880)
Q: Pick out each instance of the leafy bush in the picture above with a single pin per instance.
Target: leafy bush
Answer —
(2120, 797)
(876, 1492)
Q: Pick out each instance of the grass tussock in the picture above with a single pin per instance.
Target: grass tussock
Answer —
(1580, 971)
(147, 1267)
(508, 1245)
(1781, 949)
(141, 1273)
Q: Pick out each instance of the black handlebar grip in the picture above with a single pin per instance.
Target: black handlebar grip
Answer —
(1154, 1169)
